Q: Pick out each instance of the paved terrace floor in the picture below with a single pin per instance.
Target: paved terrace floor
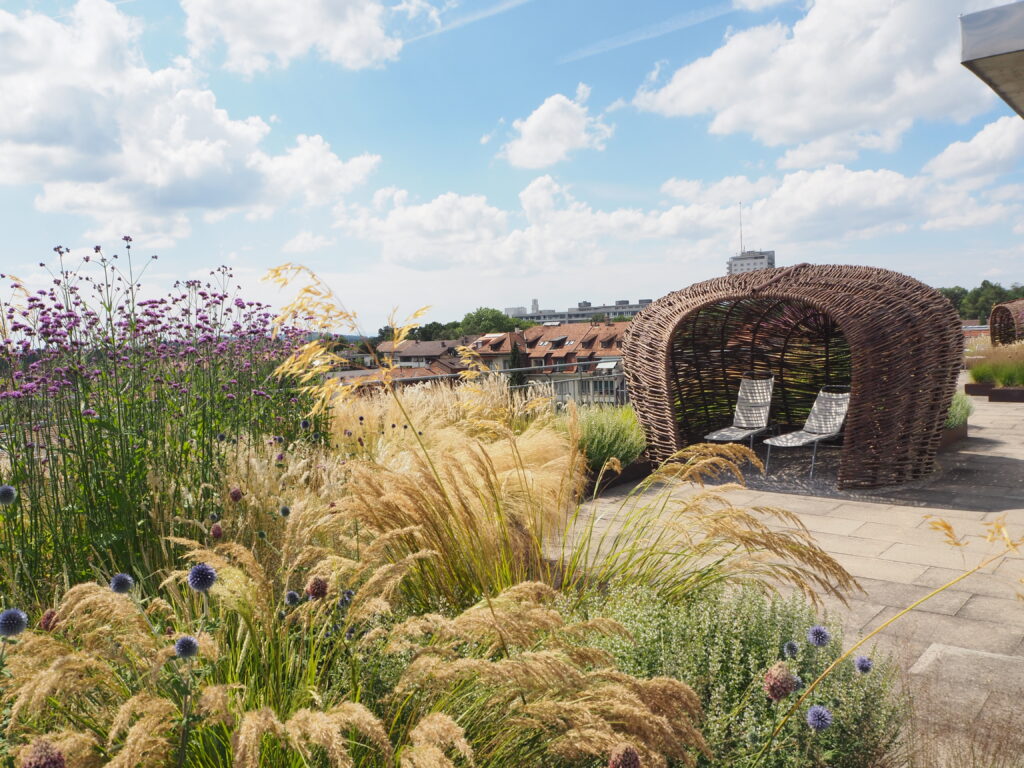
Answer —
(963, 651)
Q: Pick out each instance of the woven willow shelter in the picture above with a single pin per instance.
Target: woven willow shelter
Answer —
(894, 341)
(1006, 322)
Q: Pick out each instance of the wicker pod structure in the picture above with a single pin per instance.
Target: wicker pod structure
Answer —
(1006, 322)
(896, 342)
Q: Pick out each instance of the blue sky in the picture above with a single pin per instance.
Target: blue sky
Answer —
(487, 152)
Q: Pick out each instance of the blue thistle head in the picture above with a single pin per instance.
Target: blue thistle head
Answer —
(819, 718)
(214, 517)
(285, 511)
(863, 664)
(12, 622)
(8, 495)
(790, 649)
(202, 577)
(186, 646)
(291, 597)
(121, 583)
(221, 437)
(305, 423)
(819, 636)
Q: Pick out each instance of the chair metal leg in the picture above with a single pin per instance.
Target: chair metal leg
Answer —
(814, 455)
(768, 459)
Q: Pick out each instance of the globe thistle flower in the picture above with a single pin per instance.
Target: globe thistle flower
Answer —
(285, 510)
(819, 636)
(8, 495)
(278, 439)
(779, 682)
(305, 423)
(121, 583)
(291, 597)
(186, 646)
(221, 437)
(624, 757)
(42, 754)
(201, 577)
(799, 682)
(316, 588)
(262, 535)
(819, 718)
(12, 622)
(863, 664)
(790, 649)
(235, 495)
(281, 615)
(48, 621)
(216, 531)
(214, 517)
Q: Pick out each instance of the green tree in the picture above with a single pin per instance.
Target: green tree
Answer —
(487, 320)
(621, 319)
(517, 360)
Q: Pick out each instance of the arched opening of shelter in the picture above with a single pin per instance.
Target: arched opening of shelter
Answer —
(1003, 325)
(716, 344)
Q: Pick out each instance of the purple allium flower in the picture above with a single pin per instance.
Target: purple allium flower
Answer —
(316, 588)
(790, 649)
(89, 413)
(624, 757)
(235, 495)
(863, 664)
(186, 647)
(202, 577)
(42, 754)
(12, 622)
(121, 583)
(285, 511)
(819, 636)
(279, 457)
(779, 682)
(216, 531)
(819, 718)
(48, 621)
(8, 495)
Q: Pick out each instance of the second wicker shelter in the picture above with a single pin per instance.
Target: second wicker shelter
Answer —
(1006, 322)
(896, 342)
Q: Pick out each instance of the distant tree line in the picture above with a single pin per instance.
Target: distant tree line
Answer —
(978, 302)
(481, 320)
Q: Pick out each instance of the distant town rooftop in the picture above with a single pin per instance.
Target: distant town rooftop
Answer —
(993, 48)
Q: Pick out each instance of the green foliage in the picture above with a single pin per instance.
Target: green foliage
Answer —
(608, 432)
(621, 319)
(978, 302)
(487, 320)
(723, 643)
(960, 409)
(517, 360)
(1002, 366)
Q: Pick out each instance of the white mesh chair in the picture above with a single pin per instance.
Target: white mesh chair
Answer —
(824, 421)
(751, 417)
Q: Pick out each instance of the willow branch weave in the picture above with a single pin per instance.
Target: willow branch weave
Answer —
(1006, 322)
(896, 342)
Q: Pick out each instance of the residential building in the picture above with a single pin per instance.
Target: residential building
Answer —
(580, 346)
(747, 261)
(422, 354)
(584, 311)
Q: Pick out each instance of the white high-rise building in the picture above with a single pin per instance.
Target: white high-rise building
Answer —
(749, 261)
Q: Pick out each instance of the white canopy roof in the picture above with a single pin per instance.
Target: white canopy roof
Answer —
(993, 48)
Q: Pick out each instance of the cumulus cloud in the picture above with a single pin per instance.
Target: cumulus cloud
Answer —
(850, 75)
(138, 150)
(557, 127)
(995, 149)
(306, 242)
(256, 34)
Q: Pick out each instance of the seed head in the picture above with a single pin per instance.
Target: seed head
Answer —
(779, 682)
(12, 622)
(216, 531)
(624, 757)
(863, 664)
(819, 718)
(316, 588)
(819, 636)
(48, 621)
(43, 754)
(186, 647)
(790, 649)
(8, 495)
(235, 495)
(121, 583)
(202, 577)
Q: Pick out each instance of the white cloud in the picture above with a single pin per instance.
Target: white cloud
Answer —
(994, 149)
(553, 130)
(849, 75)
(357, 34)
(728, 191)
(134, 149)
(306, 242)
